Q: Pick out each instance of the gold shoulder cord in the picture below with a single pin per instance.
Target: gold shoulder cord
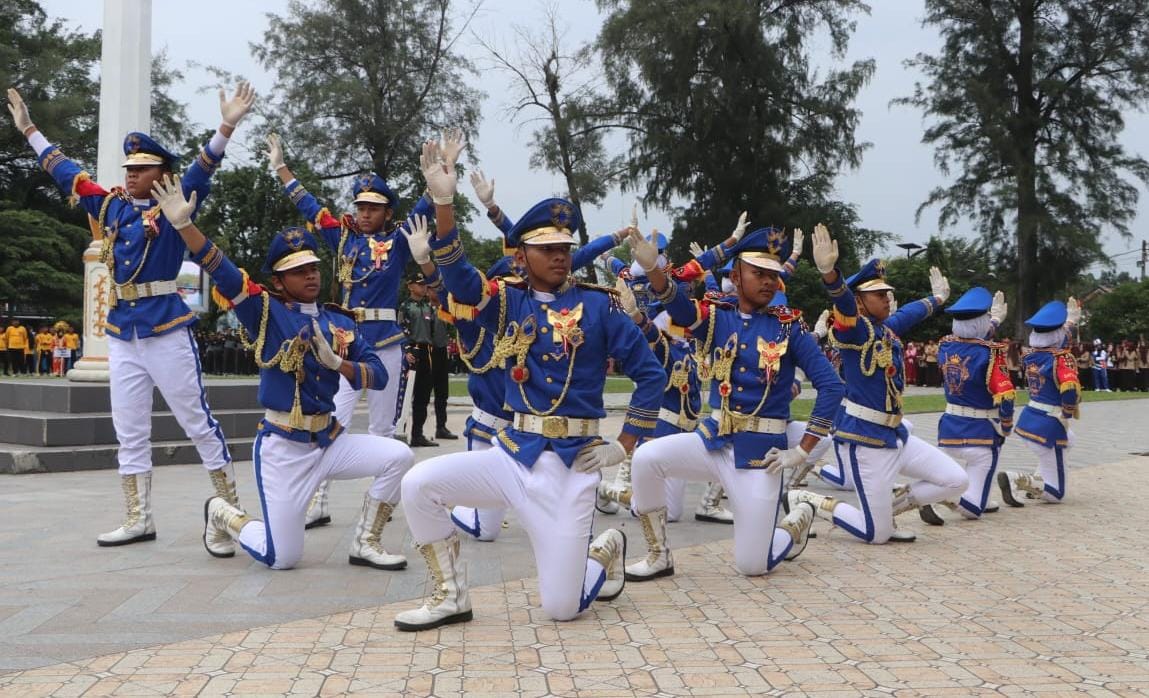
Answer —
(495, 359)
(730, 421)
(881, 355)
(289, 357)
(518, 345)
(108, 256)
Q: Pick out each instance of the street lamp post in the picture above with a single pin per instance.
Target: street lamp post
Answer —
(912, 249)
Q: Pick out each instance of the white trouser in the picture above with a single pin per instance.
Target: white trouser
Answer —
(980, 466)
(554, 504)
(837, 473)
(381, 404)
(169, 362)
(1051, 465)
(675, 494)
(935, 478)
(753, 494)
(287, 473)
(481, 524)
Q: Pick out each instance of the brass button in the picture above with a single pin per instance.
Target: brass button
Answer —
(544, 330)
(132, 304)
(127, 262)
(741, 346)
(544, 306)
(546, 357)
(554, 401)
(364, 284)
(742, 369)
(550, 380)
(362, 302)
(739, 388)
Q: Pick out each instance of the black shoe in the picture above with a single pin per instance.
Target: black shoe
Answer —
(421, 441)
(1007, 490)
(930, 516)
(445, 433)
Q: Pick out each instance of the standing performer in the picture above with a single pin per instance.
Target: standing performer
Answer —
(152, 343)
(372, 257)
(302, 350)
(1054, 399)
(869, 436)
(754, 347)
(486, 377)
(559, 335)
(979, 398)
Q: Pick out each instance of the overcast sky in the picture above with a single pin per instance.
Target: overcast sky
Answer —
(896, 174)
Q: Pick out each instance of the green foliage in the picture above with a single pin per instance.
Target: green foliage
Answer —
(361, 84)
(1120, 314)
(41, 262)
(1026, 101)
(724, 108)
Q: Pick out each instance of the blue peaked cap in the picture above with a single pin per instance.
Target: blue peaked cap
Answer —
(290, 248)
(973, 303)
(871, 277)
(1049, 317)
(143, 151)
(372, 189)
(503, 267)
(550, 221)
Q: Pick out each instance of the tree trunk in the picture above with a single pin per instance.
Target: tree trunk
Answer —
(1025, 132)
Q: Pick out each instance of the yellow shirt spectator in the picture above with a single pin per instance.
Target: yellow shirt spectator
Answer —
(17, 337)
(44, 341)
(72, 341)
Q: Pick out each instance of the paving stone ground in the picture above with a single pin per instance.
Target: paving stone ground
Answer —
(1048, 599)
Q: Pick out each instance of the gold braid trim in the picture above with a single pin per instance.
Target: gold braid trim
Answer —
(470, 354)
(289, 358)
(881, 355)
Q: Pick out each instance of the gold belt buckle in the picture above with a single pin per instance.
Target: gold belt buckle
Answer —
(127, 292)
(893, 420)
(555, 427)
(360, 314)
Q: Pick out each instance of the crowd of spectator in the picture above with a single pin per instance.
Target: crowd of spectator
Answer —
(49, 350)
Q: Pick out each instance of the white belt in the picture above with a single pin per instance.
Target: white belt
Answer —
(148, 289)
(370, 314)
(672, 417)
(1052, 410)
(962, 411)
(488, 420)
(311, 422)
(748, 422)
(556, 427)
(866, 414)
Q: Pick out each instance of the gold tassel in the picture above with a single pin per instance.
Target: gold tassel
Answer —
(297, 411)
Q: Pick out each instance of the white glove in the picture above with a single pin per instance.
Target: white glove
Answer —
(453, 144)
(696, 250)
(939, 285)
(822, 326)
(441, 181)
(626, 298)
(1072, 312)
(999, 308)
(484, 188)
(740, 227)
(777, 460)
(644, 251)
(893, 302)
(799, 242)
(594, 458)
(233, 110)
(169, 192)
(825, 249)
(275, 152)
(418, 239)
(324, 354)
(18, 110)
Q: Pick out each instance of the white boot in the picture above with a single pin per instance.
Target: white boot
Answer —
(902, 501)
(138, 524)
(658, 562)
(710, 507)
(449, 603)
(221, 521)
(822, 504)
(610, 495)
(609, 550)
(317, 512)
(798, 523)
(366, 548)
(902, 536)
(223, 482)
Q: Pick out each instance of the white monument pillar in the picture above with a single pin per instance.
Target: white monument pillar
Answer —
(125, 105)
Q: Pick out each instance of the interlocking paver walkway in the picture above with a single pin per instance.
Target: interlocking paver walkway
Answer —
(1047, 599)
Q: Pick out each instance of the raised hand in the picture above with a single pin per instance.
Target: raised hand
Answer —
(233, 110)
(441, 181)
(825, 250)
(453, 143)
(696, 250)
(1072, 312)
(740, 227)
(822, 326)
(799, 242)
(418, 239)
(274, 152)
(893, 302)
(999, 308)
(484, 188)
(644, 251)
(626, 297)
(19, 111)
(168, 191)
(939, 285)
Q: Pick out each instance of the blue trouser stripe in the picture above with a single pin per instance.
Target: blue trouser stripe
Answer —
(592, 594)
(868, 534)
(1059, 491)
(838, 478)
(979, 509)
(267, 558)
(211, 421)
(771, 560)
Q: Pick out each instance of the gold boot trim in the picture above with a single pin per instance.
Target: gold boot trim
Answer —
(654, 544)
(224, 487)
(375, 532)
(131, 500)
(451, 547)
(1033, 484)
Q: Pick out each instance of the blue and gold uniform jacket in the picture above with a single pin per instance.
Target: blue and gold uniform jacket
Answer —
(682, 394)
(370, 267)
(291, 380)
(975, 375)
(1051, 375)
(486, 378)
(555, 352)
(752, 362)
(139, 244)
(872, 364)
